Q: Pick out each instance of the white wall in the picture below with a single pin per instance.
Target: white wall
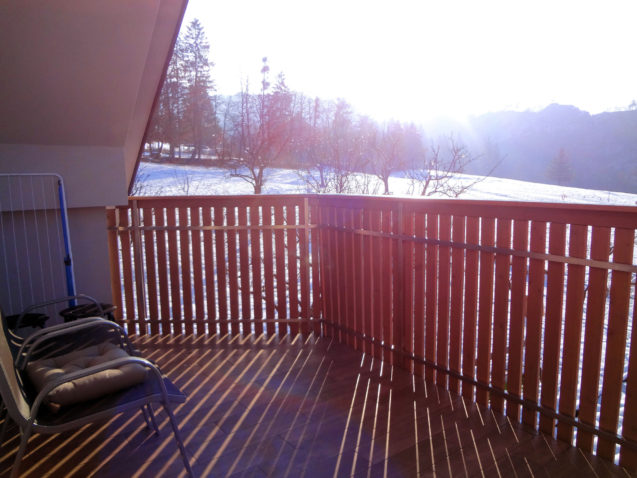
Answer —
(78, 81)
(90, 252)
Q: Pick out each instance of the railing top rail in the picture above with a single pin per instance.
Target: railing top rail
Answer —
(415, 201)
(229, 200)
(585, 214)
(419, 201)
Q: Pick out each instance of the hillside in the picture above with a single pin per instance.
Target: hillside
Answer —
(601, 148)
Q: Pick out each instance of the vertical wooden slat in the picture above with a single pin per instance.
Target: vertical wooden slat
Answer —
(535, 307)
(233, 269)
(615, 341)
(377, 285)
(355, 270)
(553, 325)
(315, 247)
(162, 271)
(113, 254)
(470, 307)
(432, 298)
(518, 313)
(419, 294)
(348, 274)
(268, 268)
(501, 312)
(184, 259)
(209, 268)
(337, 279)
(339, 261)
(279, 257)
(387, 280)
(197, 265)
(343, 262)
(357, 274)
(138, 268)
(151, 271)
(304, 252)
(595, 311)
(222, 289)
(485, 312)
(369, 300)
(127, 269)
(173, 267)
(444, 278)
(293, 284)
(404, 333)
(457, 288)
(256, 258)
(185, 254)
(628, 456)
(244, 267)
(397, 305)
(572, 330)
(324, 268)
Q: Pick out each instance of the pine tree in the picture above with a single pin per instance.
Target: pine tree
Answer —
(200, 123)
(166, 123)
(560, 169)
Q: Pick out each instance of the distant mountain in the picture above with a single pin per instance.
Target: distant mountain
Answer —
(600, 150)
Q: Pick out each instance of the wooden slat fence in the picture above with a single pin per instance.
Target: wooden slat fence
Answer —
(523, 307)
(214, 264)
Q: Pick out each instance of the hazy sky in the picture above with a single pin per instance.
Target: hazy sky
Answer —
(415, 60)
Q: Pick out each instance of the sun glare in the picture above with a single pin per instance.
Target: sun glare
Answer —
(417, 60)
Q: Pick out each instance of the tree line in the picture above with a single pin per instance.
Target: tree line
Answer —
(334, 149)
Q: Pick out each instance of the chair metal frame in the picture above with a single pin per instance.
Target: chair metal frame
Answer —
(24, 409)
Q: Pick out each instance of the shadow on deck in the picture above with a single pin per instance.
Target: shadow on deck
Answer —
(301, 407)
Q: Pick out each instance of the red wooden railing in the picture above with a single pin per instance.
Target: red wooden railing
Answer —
(208, 264)
(522, 307)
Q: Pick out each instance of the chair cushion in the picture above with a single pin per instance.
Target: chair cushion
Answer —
(93, 386)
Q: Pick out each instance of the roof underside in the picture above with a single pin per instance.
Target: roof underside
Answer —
(82, 74)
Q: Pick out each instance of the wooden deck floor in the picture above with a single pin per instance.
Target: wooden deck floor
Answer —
(314, 408)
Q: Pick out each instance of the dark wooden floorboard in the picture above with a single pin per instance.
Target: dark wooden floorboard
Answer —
(300, 407)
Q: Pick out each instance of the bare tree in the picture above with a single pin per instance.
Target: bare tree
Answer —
(332, 150)
(140, 183)
(393, 145)
(182, 180)
(261, 129)
(440, 170)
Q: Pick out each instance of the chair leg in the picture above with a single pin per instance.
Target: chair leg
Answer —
(145, 415)
(23, 446)
(151, 414)
(5, 425)
(180, 443)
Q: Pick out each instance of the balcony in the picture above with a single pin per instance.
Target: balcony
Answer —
(303, 406)
(519, 312)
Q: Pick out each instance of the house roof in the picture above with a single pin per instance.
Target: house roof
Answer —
(79, 79)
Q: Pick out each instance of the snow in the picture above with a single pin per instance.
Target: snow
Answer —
(178, 180)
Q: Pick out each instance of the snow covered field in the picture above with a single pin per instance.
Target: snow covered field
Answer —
(175, 180)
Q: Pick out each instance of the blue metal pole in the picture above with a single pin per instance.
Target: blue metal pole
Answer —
(68, 262)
